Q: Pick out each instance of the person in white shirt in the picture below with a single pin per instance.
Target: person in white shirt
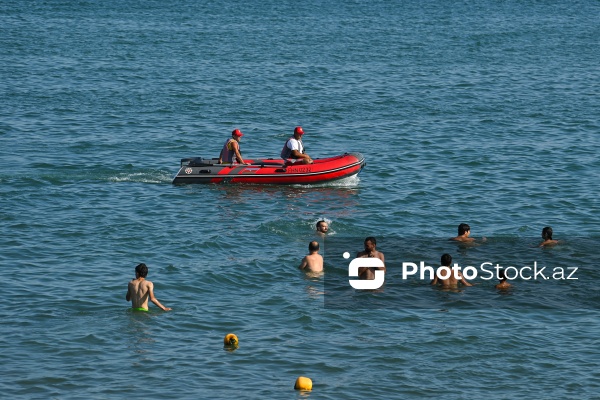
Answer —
(293, 149)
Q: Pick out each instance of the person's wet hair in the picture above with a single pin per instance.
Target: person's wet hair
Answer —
(371, 239)
(313, 246)
(319, 224)
(141, 270)
(463, 228)
(547, 233)
(502, 275)
(446, 260)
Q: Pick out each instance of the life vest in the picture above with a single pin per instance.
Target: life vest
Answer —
(228, 154)
(286, 152)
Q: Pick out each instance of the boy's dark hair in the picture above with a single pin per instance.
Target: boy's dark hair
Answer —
(446, 260)
(313, 246)
(463, 228)
(141, 270)
(547, 233)
(502, 275)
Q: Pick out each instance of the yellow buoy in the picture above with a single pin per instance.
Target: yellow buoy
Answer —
(303, 383)
(231, 340)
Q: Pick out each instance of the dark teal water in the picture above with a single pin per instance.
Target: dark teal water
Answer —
(480, 112)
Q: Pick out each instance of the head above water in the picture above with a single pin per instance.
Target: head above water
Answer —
(547, 233)
(141, 270)
(322, 226)
(502, 275)
(313, 246)
(463, 228)
(370, 243)
(446, 260)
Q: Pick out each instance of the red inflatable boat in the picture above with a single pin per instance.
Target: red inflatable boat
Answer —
(269, 171)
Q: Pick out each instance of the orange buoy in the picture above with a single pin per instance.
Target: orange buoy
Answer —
(231, 341)
(303, 383)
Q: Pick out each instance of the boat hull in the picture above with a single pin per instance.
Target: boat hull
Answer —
(269, 171)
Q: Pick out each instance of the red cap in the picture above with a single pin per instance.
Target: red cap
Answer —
(299, 130)
(237, 132)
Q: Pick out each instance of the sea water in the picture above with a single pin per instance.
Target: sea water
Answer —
(480, 112)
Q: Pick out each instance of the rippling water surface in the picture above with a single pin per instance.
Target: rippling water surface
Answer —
(478, 112)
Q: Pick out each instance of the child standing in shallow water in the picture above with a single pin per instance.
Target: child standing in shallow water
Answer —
(140, 290)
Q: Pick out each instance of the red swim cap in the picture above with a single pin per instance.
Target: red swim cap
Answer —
(237, 132)
(299, 130)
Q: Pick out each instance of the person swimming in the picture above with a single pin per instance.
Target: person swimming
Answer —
(503, 285)
(464, 232)
(370, 251)
(322, 227)
(313, 262)
(547, 236)
(454, 277)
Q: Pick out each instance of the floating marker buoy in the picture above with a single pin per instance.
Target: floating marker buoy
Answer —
(231, 340)
(303, 383)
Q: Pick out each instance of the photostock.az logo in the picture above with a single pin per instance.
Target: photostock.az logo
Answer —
(368, 284)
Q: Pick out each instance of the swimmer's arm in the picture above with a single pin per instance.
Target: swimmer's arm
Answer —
(154, 299)
(435, 280)
(128, 296)
(303, 264)
(382, 258)
(464, 281)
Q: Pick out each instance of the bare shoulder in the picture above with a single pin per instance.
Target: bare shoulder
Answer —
(147, 284)
(549, 242)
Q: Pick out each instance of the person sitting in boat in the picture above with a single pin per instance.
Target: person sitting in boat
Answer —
(293, 149)
(231, 152)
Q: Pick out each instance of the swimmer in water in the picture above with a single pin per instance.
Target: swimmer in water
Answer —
(453, 280)
(464, 232)
(370, 251)
(312, 262)
(503, 285)
(547, 236)
(322, 227)
(140, 290)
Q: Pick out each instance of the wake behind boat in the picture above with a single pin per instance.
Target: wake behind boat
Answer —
(269, 171)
